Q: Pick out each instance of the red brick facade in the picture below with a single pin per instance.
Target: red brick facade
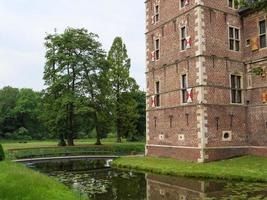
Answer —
(224, 114)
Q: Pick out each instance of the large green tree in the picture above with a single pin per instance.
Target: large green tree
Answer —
(95, 85)
(140, 99)
(8, 100)
(60, 76)
(19, 114)
(27, 111)
(76, 79)
(127, 116)
(54, 115)
(121, 82)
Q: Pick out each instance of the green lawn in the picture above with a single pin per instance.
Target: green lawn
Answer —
(248, 168)
(33, 149)
(7, 144)
(19, 183)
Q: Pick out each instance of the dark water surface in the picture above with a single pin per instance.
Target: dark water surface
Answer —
(95, 180)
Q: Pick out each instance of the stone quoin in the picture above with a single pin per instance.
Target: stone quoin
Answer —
(206, 73)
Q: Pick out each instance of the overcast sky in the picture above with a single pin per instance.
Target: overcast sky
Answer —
(24, 24)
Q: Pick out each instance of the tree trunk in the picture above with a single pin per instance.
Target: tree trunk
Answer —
(118, 133)
(62, 141)
(70, 123)
(117, 114)
(118, 130)
(98, 134)
(70, 111)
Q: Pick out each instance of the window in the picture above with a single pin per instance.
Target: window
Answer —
(184, 88)
(233, 4)
(184, 3)
(234, 39)
(156, 13)
(163, 31)
(236, 89)
(155, 122)
(183, 38)
(157, 97)
(248, 42)
(262, 27)
(171, 118)
(157, 48)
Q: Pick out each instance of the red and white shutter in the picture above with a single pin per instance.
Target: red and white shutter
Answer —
(153, 56)
(188, 42)
(186, 2)
(264, 97)
(153, 19)
(153, 101)
(189, 95)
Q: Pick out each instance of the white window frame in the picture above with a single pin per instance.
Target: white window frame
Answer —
(262, 34)
(182, 39)
(180, 4)
(182, 88)
(156, 19)
(233, 5)
(157, 94)
(248, 42)
(234, 38)
(241, 88)
(157, 49)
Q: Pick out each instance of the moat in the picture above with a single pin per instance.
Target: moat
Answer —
(96, 180)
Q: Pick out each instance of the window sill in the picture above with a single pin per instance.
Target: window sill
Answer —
(264, 48)
(235, 51)
(234, 9)
(237, 104)
(185, 104)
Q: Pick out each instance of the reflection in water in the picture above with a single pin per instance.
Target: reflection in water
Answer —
(95, 180)
(169, 188)
(108, 162)
(105, 184)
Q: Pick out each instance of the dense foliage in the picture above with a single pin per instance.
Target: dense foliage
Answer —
(254, 4)
(20, 114)
(88, 94)
(125, 112)
(75, 76)
(27, 115)
(86, 90)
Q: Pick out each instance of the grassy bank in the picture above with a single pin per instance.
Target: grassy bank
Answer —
(19, 183)
(115, 149)
(108, 148)
(248, 168)
(11, 144)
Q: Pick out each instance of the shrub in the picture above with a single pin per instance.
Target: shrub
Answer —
(2, 153)
(62, 143)
(22, 134)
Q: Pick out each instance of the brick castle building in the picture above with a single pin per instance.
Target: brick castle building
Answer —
(206, 80)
